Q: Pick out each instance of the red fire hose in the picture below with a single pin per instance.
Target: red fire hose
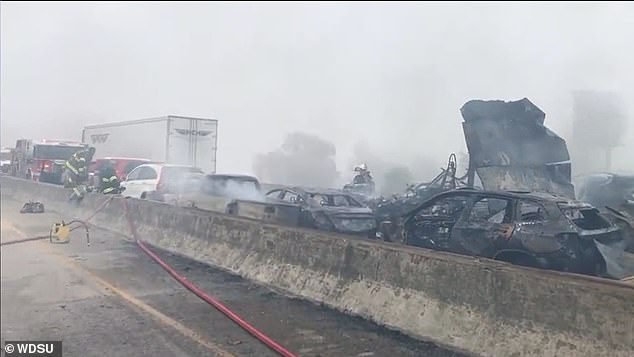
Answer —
(269, 342)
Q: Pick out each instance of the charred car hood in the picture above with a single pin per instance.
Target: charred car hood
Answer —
(511, 150)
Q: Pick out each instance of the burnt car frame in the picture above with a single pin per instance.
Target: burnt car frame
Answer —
(539, 230)
(613, 195)
(328, 209)
(389, 212)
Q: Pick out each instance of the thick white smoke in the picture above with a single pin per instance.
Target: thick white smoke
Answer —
(303, 159)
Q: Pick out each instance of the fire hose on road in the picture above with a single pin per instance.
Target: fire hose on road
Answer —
(245, 325)
(31, 239)
(269, 342)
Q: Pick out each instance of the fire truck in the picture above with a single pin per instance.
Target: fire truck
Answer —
(44, 161)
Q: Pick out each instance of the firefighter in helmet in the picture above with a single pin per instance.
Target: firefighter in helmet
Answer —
(77, 171)
(363, 175)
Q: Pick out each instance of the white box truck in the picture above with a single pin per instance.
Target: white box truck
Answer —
(170, 139)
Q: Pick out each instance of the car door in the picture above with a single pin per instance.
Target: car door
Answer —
(534, 231)
(431, 225)
(147, 180)
(131, 184)
(487, 220)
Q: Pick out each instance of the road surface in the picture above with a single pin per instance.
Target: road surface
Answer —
(112, 299)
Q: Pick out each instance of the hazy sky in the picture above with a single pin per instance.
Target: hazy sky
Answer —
(393, 75)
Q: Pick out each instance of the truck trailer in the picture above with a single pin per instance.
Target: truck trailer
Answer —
(169, 139)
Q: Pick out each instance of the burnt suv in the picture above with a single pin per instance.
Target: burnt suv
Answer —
(531, 229)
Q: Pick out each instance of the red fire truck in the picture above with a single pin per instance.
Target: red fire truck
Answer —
(47, 163)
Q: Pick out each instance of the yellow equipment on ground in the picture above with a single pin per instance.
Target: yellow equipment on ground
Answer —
(60, 232)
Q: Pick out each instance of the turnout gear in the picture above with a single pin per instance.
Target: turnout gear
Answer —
(78, 163)
(363, 176)
(77, 172)
(109, 182)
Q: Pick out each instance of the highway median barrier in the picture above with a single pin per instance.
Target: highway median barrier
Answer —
(479, 306)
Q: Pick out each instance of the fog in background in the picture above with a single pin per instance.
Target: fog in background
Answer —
(380, 83)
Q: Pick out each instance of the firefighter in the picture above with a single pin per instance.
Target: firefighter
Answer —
(363, 175)
(108, 181)
(77, 171)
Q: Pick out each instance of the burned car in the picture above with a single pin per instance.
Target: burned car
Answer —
(327, 209)
(388, 212)
(539, 230)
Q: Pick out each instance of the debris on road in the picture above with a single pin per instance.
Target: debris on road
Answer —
(32, 207)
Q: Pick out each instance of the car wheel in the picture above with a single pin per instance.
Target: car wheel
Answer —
(144, 195)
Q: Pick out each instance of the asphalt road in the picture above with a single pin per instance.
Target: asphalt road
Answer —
(111, 299)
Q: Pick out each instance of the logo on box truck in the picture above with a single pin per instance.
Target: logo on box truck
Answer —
(99, 138)
(193, 132)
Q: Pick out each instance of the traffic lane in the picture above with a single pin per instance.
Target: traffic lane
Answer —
(45, 300)
(93, 297)
(305, 328)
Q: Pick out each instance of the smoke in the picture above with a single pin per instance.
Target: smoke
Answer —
(243, 191)
(393, 74)
(303, 159)
(600, 124)
(393, 173)
(395, 180)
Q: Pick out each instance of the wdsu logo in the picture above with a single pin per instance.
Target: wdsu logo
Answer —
(33, 348)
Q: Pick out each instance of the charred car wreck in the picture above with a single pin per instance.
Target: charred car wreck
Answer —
(327, 209)
(539, 230)
(526, 213)
(388, 212)
(511, 149)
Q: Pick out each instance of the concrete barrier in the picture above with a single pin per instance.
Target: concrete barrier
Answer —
(480, 306)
